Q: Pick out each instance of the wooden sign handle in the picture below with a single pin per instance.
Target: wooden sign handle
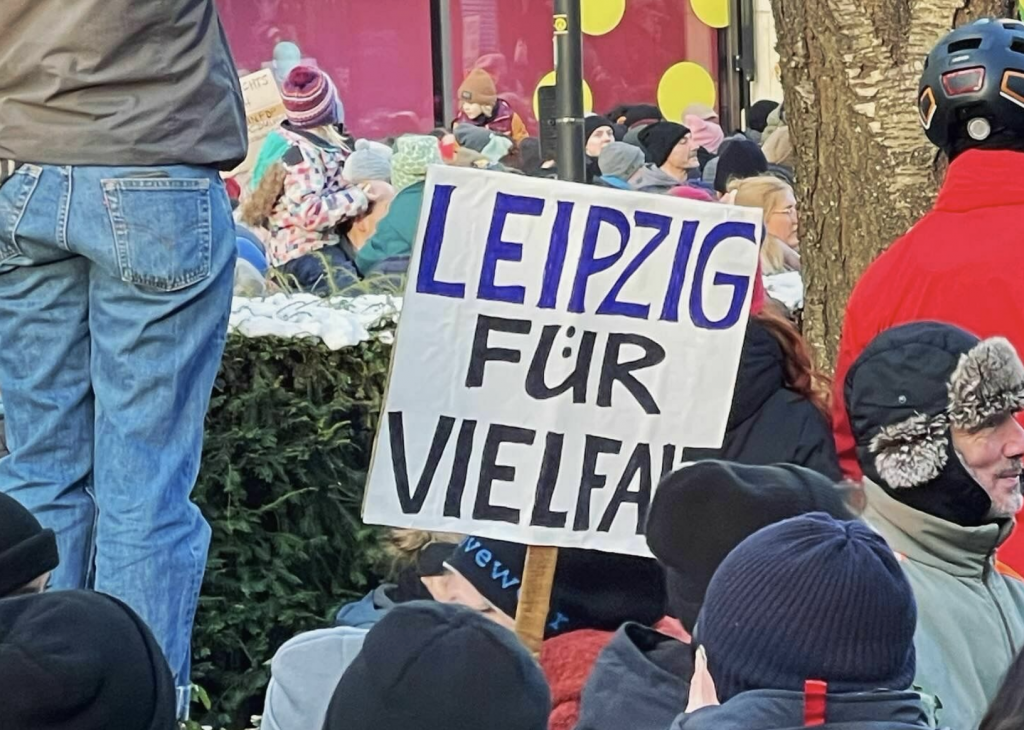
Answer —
(535, 596)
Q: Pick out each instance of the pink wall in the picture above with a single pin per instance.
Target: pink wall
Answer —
(512, 39)
(379, 51)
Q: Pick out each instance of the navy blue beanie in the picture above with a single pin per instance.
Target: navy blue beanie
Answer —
(809, 598)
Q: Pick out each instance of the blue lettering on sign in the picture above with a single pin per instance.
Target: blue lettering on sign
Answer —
(739, 284)
(426, 280)
(497, 249)
(611, 305)
(590, 263)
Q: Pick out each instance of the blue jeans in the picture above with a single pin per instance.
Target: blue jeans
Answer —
(115, 289)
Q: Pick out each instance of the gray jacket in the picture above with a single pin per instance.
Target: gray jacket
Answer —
(118, 82)
(651, 670)
(653, 179)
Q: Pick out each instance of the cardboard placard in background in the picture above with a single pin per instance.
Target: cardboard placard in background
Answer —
(264, 112)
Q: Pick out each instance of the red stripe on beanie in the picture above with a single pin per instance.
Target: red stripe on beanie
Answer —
(814, 702)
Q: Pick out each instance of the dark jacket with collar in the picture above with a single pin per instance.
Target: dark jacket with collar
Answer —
(970, 617)
(784, 710)
(769, 424)
(649, 668)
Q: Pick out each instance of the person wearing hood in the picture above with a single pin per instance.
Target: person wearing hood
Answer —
(430, 666)
(757, 119)
(779, 406)
(480, 106)
(80, 660)
(707, 133)
(931, 408)
(619, 163)
(487, 147)
(775, 119)
(594, 593)
(739, 160)
(673, 158)
(306, 669)
(388, 250)
(807, 623)
(698, 515)
(28, 553)
(598, 132)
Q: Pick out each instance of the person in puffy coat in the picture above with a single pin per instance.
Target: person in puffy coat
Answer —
(779, 405)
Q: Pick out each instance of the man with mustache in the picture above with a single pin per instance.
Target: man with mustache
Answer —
(932, 412)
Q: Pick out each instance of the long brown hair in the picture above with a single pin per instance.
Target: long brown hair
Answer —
(801, 375)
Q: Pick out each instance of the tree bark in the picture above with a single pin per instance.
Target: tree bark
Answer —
(866, 172)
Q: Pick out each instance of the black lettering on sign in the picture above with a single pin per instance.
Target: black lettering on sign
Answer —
(639, 463)
(460, 469)
(483, 353)
(491, 471)
(591, 480)
(668, 459)
(549, 467)
(412, 503)
(612, 370)
(537, 388)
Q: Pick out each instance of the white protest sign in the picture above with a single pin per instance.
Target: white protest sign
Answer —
(264, 111)
(559, 345)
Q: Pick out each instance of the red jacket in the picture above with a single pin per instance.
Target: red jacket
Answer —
(963, 263)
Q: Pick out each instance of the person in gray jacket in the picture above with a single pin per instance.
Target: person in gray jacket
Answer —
(117, 251)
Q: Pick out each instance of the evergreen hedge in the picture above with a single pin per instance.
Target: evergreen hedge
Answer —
(288, 441)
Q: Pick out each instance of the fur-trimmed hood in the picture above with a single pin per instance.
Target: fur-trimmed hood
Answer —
(913, 383)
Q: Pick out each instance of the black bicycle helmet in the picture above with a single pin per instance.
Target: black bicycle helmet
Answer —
(972, 89)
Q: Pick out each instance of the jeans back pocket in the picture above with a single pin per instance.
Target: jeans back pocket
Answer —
(15, 194)
(162, 230)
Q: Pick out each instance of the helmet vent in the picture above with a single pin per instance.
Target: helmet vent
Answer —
(967, 44)
(1018, 45)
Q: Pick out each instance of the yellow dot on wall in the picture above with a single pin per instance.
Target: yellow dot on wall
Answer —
(712, 12)
(549, 80)
(684, 84)
(602, 16)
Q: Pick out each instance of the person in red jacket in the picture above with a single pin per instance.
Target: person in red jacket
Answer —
(963, 263)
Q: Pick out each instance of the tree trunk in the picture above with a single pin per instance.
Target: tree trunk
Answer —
(866, 171)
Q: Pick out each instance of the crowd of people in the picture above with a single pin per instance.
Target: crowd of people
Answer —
(328, 211)
(846, 558)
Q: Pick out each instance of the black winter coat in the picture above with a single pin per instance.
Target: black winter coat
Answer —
(769, 424)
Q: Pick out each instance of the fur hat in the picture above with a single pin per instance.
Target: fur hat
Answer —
(478, 88)
(913, 383)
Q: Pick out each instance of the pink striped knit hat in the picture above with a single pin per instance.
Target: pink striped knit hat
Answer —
(311, 99)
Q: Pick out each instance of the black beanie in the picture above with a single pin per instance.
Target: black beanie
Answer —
(27, 551)
(592, 589)
(701, 512)
(593, 123)
(660, 138)
(740, 160)
(809, 598)
(78, 660)
(428, 666)
(757, 117)
(905, 391)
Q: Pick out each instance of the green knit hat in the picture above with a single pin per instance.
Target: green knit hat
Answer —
(413, 153)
